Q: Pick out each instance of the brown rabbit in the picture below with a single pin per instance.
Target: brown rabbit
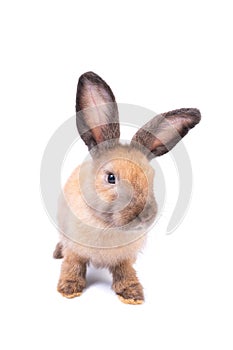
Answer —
(108, 202)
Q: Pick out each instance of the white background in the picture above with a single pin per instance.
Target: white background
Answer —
(158, 54)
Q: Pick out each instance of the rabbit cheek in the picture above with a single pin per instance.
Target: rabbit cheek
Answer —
(149, 212)
(107, 197)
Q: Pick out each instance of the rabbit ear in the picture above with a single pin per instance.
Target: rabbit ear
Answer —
(96, 111)
(163, 132)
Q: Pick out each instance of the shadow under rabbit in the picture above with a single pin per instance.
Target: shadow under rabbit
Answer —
(98, 276)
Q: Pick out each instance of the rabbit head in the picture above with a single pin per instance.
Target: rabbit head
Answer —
(117, 183)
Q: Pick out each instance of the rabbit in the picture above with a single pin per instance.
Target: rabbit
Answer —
(108, 203)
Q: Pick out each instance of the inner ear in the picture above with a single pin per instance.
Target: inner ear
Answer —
(96, 110)
(164, 131)
(92, 91)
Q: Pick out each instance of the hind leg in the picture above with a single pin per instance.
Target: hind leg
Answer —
(58, 254)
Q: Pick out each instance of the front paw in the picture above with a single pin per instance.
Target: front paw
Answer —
(132, 294)
(71, 288)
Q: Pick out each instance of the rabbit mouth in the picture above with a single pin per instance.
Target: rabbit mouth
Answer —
(142, 223)
(130, 218)
(137, 223)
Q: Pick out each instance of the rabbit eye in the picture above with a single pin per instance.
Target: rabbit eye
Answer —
(111, 179)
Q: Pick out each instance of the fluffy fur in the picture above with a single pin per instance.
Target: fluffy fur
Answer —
(102, 223)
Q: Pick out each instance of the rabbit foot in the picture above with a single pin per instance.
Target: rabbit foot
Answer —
(132, 294)
(70, 289)
(130, 301)
(126, 284)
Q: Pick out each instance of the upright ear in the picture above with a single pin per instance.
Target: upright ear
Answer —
(163, 132)
(96, 111)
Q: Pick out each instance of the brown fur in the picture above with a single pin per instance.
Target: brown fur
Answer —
(73, 275)
(119, 258)
(162, 132)
(105, 224)
(134, 171)
(97, 112)
(57, 254)
(126, 283)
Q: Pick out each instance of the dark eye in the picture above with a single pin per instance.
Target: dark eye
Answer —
(111, 179)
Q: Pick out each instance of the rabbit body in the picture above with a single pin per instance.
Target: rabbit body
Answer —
(96, 247)
(108, 204)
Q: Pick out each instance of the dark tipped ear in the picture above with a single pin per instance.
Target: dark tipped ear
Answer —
(96, 110)
(163, 132)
